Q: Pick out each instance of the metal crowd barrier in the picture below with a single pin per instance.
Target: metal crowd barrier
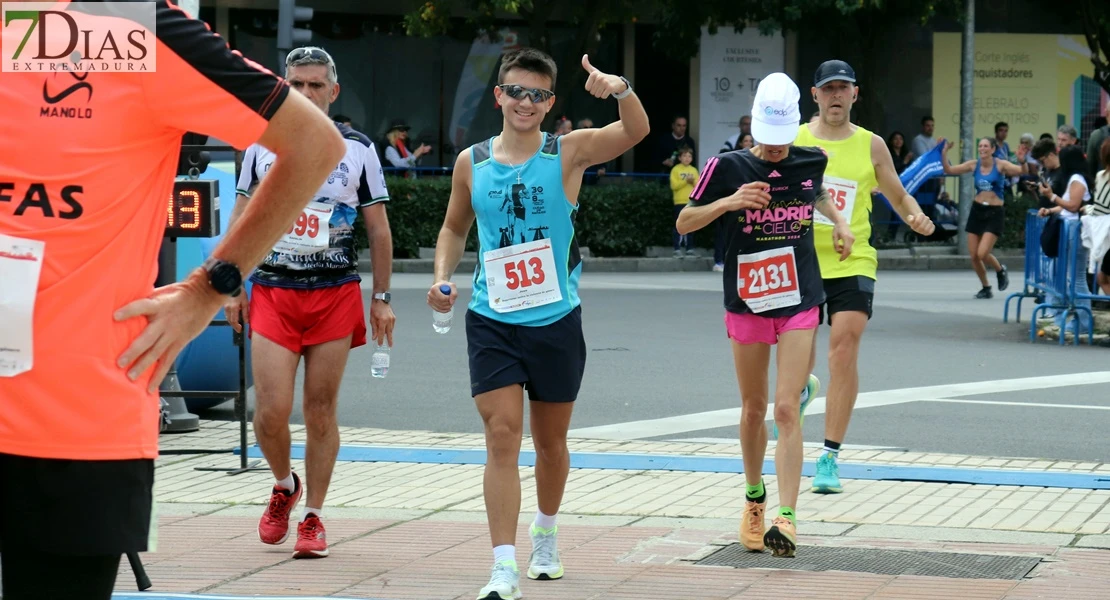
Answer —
(1062, 279)
(1036, 267)
(1078, 272)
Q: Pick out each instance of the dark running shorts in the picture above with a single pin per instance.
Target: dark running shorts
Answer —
(985, 219)
(1105, 268)
(842, 294)
(75, 507)
(549, 360)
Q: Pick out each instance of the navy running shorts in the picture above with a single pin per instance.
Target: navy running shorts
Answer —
(548, 361)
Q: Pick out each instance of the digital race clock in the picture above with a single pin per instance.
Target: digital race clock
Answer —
(193, 209)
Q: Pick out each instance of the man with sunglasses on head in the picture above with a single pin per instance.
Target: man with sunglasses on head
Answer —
(524, 322)
(307, 301)
(859, 162)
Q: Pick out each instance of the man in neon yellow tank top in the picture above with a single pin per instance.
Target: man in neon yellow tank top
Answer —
(859, 162)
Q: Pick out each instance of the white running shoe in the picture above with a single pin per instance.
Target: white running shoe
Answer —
(504, 583)
(544, 563)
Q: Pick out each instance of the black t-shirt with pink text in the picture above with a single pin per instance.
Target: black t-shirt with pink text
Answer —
(771, 267)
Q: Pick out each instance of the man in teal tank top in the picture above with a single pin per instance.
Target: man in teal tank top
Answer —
(524, 322)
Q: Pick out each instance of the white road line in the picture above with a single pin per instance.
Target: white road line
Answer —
(728, 417)
(1034, 404)
(736, 442)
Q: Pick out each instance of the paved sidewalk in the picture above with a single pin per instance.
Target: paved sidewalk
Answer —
(417, 530)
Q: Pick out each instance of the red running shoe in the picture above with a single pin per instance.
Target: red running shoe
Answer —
(273, 528)
(312, 540)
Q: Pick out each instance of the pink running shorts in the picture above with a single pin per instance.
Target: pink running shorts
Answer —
(750, 328)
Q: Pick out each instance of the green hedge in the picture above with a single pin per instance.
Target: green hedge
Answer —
(1013, 232)
(614, 220)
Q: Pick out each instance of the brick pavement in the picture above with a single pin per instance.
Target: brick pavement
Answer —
(439, 559)
(417, 531)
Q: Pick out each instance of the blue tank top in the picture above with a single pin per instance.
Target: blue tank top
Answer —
(991, 182)
(516, 205)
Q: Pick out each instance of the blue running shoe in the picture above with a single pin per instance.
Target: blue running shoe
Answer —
(827, 480)
(812, 387)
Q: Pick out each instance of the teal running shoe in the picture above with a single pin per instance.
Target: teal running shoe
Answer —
(827, 480)
(812, 387)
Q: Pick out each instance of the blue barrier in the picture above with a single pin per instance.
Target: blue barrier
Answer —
(1081, 291)
(1034, 266)
(1060, 281)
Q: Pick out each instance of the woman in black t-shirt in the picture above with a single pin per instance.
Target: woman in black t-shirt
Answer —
(772, 283)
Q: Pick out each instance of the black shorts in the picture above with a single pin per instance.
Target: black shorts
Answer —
(75, 507)
(1105, 268)
(985, 219)
(854, 293)
(548, 360)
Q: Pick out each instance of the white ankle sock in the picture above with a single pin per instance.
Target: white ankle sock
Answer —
(544, 521)
(287, 483)
(833, 452)
(504, 552)
(316, 511)
(805, 394)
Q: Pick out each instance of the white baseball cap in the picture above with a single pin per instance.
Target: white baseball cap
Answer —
(775, 114)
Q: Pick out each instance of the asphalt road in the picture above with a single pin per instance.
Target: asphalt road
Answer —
(660, 366)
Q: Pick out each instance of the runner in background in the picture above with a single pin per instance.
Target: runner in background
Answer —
(859, 162)
(82, 214)
(987, 216)
(307, 301)
(524, 322)
(766, 198)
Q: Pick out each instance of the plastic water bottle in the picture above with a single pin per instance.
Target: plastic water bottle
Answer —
(379, 363)
(441, 322)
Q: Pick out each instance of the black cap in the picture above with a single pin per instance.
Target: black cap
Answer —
(399, 125)
(833, 70)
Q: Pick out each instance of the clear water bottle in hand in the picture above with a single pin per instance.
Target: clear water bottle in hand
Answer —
(379, 362)
(441, 322)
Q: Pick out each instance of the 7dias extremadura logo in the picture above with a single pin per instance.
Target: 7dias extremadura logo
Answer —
(43, 37)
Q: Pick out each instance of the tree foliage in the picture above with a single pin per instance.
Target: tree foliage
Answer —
(1095, 16)
(481, 16)
(855, 30)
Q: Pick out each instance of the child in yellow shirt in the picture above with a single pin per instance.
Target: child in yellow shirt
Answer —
(684, 176)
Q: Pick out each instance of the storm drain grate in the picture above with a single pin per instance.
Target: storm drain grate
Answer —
(879, 561)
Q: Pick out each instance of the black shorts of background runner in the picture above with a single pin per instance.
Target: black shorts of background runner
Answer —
(985, 219)
(68, 522)
(854, 293)
(549, 361)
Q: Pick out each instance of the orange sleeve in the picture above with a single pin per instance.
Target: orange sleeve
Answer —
(201, 85)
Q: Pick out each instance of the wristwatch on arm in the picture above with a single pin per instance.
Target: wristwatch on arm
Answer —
(626, 92)
(383, 296)
(224, 277)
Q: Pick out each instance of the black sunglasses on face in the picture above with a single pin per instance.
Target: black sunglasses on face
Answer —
(518, 92)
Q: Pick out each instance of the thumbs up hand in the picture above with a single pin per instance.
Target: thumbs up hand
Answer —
(601, 85)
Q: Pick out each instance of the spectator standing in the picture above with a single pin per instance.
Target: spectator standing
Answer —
(563, 126)
(1094, 145)
(924, 141)
(899, 151)
(1066, 136)
(1001, 148)
(1096, 223)
(684, 176)
(1069, 190)
(397, 152)
(733, 143)
(666, 150)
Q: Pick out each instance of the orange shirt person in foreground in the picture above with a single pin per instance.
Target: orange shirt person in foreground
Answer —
(83, 192)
